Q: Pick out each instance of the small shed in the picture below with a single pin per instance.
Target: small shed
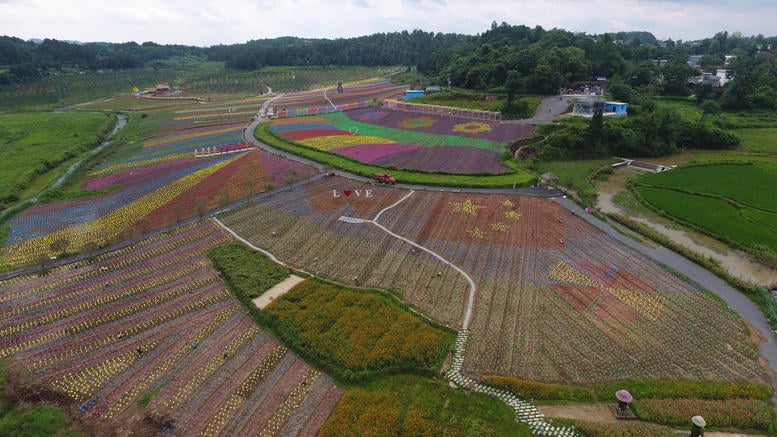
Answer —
(433, 89)
(548, 179)
(410, 94)
(617, 108)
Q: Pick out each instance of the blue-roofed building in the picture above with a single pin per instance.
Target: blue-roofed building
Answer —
(409, 94)
(616, 108)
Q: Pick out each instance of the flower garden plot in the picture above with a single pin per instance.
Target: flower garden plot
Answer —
(448, 159)
(353, 93)
(359, 255)
(370, 153)
(255, 103)
(106, 227)
(41, 220)
(244, 176)
(106, 351)
(145, 177)
(406, 146)
(559, 301)
(442, 125)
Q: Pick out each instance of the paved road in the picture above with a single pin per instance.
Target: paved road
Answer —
(734, 298)
(548, 110)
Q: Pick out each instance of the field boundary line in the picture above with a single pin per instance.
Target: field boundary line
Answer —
(248, 243)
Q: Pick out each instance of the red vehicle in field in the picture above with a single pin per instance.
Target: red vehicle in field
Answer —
(384, 178)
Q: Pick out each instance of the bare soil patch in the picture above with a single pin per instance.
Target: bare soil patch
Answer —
(280, 288)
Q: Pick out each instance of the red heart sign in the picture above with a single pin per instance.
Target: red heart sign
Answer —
(347, 193)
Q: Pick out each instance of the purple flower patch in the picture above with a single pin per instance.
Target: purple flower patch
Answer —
(371, 152)
(371, 116)
(443, 125)
(449, 159)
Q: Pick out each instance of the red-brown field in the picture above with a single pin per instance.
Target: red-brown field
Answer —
(557, 300)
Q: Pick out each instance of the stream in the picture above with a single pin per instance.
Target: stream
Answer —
(121, 121)
(736, 263)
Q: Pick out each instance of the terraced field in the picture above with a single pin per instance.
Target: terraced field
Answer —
(155, 320)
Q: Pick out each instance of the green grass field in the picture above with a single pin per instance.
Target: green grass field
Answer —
(751, 185)
(248, 270)
(714, 215)
(520, 177)
(36, 145)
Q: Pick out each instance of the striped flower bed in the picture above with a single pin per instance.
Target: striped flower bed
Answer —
(155, 321)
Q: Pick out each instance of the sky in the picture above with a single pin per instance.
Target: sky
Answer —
(212, 22)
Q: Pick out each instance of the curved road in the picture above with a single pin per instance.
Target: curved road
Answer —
(550, 108)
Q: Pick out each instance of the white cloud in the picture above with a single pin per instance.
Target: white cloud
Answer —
(203, 22)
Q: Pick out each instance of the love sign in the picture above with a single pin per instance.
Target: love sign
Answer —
(354, 193)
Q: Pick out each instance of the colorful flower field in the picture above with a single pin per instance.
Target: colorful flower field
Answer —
(160, 185)
(353, 94)
(155, 319)
(231, 110)
(302, 228)
(557, 300)
(405, 140)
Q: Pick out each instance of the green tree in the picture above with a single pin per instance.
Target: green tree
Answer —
(676, 76)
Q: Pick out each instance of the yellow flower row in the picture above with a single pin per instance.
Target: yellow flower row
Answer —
(82, 384)
(236, 399)
(297, 395)
(647, 304)
(141, 386)
(187, 136)
(108, 226)
(136, 255)
(565, 272)
(88, 324)
(100, 300)
(186, 391)
(119, 166)
(336, 141)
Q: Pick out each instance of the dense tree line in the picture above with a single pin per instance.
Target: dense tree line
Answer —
(28, 60)
(380, 49)
(645, 134)
(506, 58)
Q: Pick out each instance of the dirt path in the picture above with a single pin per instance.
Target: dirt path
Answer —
(277, 290)
(585, 413)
